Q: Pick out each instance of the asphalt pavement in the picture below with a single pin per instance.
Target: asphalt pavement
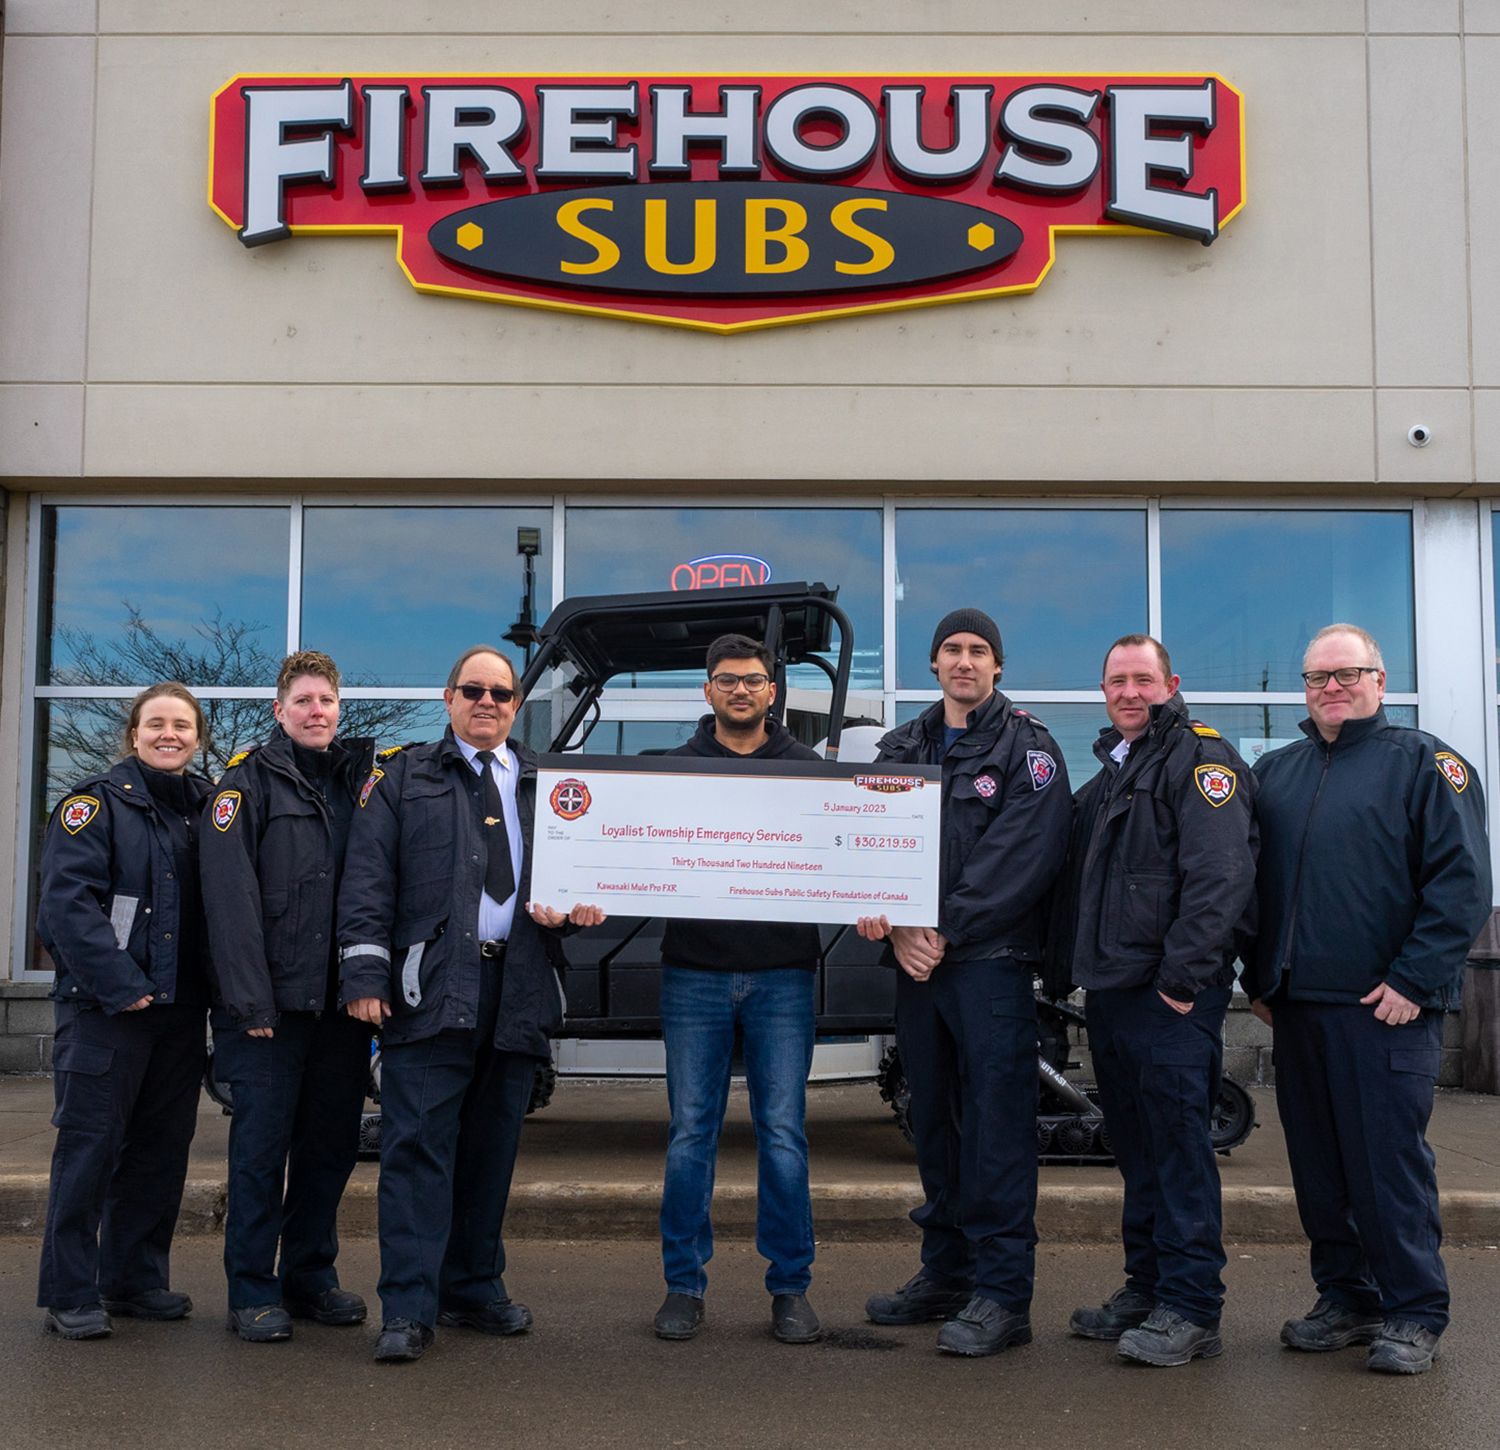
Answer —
(592, 1375)
(590, 1166)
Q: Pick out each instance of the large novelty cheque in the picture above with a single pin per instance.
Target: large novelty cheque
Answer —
(748, 841)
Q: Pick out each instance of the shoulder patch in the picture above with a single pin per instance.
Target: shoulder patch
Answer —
(1042, 767)
(226, 808)
(389, 751)
(1207, 731)
(77, 811)
(376, 776)
(1216, 782)
(1453, 770)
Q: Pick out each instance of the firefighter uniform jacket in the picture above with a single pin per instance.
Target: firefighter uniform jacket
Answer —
(110, 894)
(1161, 864)
(270, 855)
(409, 904)
(1374, 866)
(1006, 810)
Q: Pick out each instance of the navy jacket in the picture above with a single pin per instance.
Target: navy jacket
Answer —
(742, 946)
(1161, 864)
(409, 903)
(271, 855)
(109, 892)
(1006, 811)
(1374, 866)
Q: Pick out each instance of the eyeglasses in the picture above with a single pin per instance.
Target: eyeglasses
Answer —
(1349, 675)
(730, 683)
(498, 693)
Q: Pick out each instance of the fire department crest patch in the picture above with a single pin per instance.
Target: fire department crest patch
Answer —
(1042, 768)
(985, 785)
(1217, 783)
(226, 808)
(77, 811)
(570, 799)
(376, 776)
(1453, 768)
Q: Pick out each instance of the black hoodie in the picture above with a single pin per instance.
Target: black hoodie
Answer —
(742, 946)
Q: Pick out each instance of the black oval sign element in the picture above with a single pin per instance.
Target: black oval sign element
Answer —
(725, 238)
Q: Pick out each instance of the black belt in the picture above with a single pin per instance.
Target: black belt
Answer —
(494, 949)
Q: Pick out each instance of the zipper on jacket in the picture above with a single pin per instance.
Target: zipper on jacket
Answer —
(1284, 966)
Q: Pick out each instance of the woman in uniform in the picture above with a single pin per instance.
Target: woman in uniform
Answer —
(122, 916)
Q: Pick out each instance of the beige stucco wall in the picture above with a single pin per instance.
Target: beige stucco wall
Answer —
(1357, 293)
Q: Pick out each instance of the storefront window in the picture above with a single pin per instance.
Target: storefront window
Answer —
(395, 595)
(1060, 583)
(1243, 591)
(650, 550)
(133, 594)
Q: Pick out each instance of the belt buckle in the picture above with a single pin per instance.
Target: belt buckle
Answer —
(492, 949)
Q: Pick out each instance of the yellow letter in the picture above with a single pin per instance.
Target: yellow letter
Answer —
(705, 238)
(794, 218)
(567, 219)
(882, 253)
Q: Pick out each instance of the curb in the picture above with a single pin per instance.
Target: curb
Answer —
(842, 1212)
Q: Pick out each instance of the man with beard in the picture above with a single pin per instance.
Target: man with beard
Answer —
(718, 976)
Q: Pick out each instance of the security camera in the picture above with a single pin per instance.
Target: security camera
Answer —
(1419, 435)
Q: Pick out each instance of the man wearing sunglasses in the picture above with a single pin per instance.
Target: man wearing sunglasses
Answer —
(758, 977)
(1373, 881)
(438, 950)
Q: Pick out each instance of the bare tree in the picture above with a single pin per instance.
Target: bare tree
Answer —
(86, 736)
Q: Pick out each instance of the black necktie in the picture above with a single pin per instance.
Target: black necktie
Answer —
(499, 875)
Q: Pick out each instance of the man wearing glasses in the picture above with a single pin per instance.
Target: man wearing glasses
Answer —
(1374, 880)
(438, 951)
(757, 977)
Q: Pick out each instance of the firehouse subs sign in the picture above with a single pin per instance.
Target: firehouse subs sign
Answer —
(726, 202)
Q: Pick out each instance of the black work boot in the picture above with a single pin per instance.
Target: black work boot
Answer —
(984, 1327)
(402, 1341)
(918, 1300)
(260, 1323)
(680, 1317)
(498, 1317)
(1403, 1347)
(1124, 1309)
(328, 1306)
(1166, 1338)
(1330, 1325)
(793, 1320)
(87, 1321)
(151, 1304)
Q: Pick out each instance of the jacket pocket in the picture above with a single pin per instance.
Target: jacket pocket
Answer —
(412, 941)
(122, 914)
(1147, 907)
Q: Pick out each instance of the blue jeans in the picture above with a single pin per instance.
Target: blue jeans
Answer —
(699, 1012)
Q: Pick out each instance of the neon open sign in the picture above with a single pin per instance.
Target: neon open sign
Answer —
(721, 571)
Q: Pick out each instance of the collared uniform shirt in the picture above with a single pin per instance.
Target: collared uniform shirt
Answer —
(496, 917)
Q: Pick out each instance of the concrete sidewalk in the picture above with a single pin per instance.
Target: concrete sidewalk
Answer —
(591, 1167)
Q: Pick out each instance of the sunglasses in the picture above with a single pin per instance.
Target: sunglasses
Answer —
(498, 693)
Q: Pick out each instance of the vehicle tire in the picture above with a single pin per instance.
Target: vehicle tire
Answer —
(890, 1078)
(543, 1088)
(218, 1092)
(1233, 1116)
(369, 1135)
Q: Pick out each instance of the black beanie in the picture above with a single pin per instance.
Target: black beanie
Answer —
(969, 621)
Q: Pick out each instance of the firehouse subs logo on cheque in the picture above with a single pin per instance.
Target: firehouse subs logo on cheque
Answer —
(1217, 783)
(77, 812)
(891, 784)
(1453, 768)
(726, 202)
(570, 799)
